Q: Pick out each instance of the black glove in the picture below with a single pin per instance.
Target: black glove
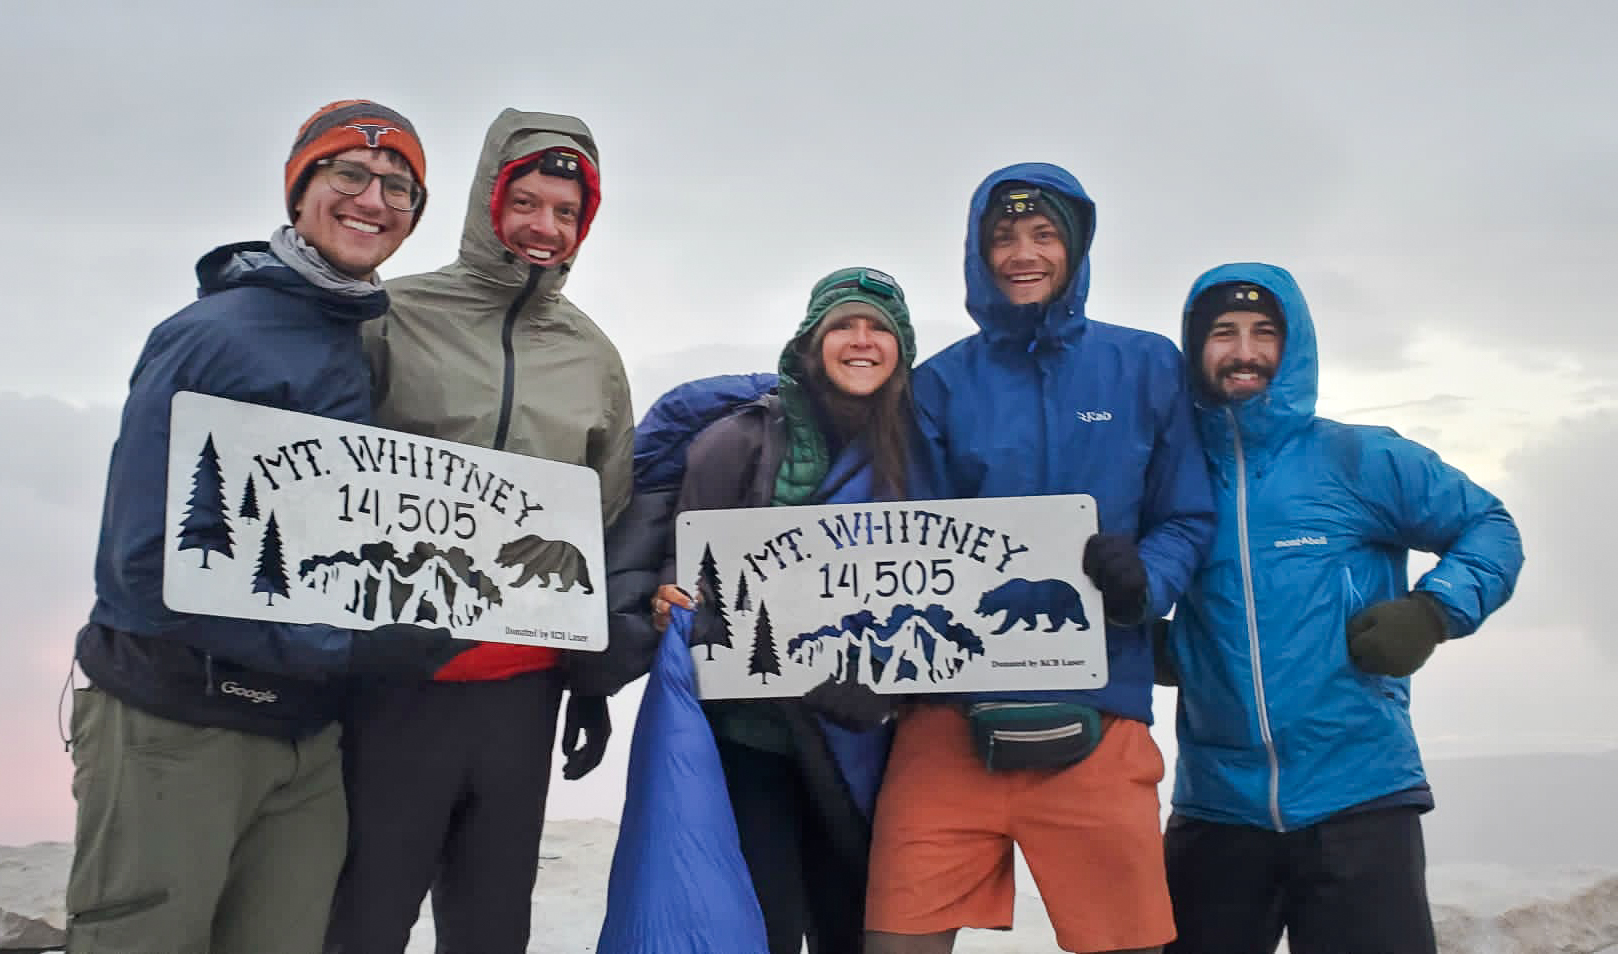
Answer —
(849, 705)
(1163, 671)
(586, 714)
(1394, 637)
(1112, 561)
(403, 651)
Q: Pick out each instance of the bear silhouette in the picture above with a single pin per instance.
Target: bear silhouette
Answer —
(542, 559)
(1027, 600)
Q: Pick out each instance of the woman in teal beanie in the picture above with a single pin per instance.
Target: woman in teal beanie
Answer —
(802, 775)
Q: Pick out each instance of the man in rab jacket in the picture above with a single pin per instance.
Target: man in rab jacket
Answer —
(1044, 400)
(447, 778)
(205, 749)
(1299, 787)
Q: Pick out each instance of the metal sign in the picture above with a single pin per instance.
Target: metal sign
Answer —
(910, 597)
(291, 517)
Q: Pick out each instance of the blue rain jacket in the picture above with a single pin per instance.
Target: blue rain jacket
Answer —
(1277, 727)
(1045, 400)
(262, 334)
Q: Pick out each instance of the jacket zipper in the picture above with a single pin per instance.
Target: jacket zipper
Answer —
(1044, 415)
(1251, 605)
(508, 387)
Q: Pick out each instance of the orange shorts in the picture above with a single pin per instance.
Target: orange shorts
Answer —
(941, 855)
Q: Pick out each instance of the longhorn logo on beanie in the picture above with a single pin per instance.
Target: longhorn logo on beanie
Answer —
(352, 124)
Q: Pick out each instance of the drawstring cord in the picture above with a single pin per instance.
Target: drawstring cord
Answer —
(61, 704)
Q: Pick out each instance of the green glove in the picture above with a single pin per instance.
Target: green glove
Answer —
(1394, 637)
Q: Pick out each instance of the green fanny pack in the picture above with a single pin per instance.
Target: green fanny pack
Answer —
(1033, 735)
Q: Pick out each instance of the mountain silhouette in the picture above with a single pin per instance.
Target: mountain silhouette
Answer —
(428, 585)
(911, 645)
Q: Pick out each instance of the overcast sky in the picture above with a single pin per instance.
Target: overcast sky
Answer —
(1438, 175)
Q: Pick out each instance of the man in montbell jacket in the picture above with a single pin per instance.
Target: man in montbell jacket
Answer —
(1299, 785)
(447, 778)
(206, 765)
(1044, 400)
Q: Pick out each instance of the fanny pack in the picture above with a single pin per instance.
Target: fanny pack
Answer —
(1033, 735)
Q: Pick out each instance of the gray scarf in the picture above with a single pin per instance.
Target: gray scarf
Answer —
(298, 255)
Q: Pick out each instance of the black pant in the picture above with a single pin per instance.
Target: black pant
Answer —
(804, 888)
(1354, 884)
(446, 788)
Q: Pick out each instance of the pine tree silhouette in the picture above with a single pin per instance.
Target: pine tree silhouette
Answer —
(205, 526)
(712, 626)
(765, 662)
(249, 507)
(744, 602)
(271, 575)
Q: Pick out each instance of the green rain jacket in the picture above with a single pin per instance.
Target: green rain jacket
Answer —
(488, 351)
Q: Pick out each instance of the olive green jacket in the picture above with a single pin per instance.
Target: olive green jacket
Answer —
(488, 351)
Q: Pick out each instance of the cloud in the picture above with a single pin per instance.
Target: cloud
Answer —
(1437, 404)
(50, 508)
(1560, 491)
(745, 153)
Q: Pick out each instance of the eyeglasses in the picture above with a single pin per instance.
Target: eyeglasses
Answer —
(401, 193)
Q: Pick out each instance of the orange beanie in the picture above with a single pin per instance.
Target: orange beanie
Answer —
(352, 124)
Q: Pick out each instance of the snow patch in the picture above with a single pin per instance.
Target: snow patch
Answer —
(1477, 908)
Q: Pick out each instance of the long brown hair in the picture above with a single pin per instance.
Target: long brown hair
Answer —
(881, 421)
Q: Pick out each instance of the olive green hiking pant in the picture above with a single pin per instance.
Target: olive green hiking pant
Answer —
(195, 840)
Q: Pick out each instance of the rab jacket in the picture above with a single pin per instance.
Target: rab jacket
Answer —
(1277, 728)
(1044, 400)
(488, 351)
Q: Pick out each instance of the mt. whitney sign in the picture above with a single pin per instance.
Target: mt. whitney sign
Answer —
(290, 517)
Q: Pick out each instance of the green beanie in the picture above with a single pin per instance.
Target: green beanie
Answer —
(807, 459)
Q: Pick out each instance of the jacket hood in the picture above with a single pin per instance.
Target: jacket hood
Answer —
(1025, 326)
(808, 457)
(253, 265)
(517, 135)
(1289, 402)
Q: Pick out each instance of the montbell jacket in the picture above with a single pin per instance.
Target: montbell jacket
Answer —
(1045, 400)
(1277, 728)
(259, 333)
(488, 351)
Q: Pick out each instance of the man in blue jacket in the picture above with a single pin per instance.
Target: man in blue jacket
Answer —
(206, 767)
(1299, 786)
(1043, 400)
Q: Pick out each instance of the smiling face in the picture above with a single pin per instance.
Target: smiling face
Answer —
(857, 350)
(354, 233)
(1028, 259)
(1240, 354)
(539, 218)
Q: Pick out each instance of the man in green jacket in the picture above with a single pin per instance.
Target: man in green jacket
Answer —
(447, 778)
